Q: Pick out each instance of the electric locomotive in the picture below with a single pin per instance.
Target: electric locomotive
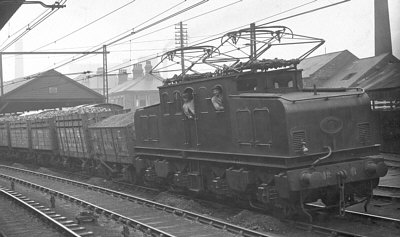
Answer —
(250, 131)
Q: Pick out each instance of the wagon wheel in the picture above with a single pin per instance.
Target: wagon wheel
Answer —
(331, 197)
(130, 175)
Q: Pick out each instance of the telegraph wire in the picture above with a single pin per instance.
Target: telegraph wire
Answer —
(99, 46)
(24, 27)
(32, 27)
(84, 26)
(209, 39)
(154, 56)
(144, 28)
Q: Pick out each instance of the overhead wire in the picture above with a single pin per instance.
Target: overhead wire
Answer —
(32, 27)
(153, 56)
(186, 20)
(86, 25)
(100, 45)
(144, 28)
(209, 39)
(24, 27)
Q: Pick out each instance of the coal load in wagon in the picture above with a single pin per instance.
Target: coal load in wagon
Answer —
(116, 121)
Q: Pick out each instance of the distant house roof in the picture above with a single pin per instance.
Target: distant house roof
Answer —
(146, 83)
(45, 90)
(349, 76)
(312, 64)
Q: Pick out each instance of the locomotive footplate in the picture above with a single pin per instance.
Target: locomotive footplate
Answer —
(364, 169)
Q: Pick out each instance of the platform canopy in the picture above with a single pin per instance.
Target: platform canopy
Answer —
(7, 10)
(47, 90)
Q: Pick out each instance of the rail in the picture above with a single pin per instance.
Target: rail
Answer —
(58, 226)
(363, 214)
(133, 223)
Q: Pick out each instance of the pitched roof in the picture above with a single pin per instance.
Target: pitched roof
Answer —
(146, 83)
(45, 90)
(355, 71)
(13, 85)
(312, 64)
(385, 78)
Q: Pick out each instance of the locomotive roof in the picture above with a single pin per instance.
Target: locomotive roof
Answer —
(305, 94)
(115, 121)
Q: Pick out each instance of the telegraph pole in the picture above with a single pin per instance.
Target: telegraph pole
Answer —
(181, 39)
(1, 74)
(105, 76)
(253, 49)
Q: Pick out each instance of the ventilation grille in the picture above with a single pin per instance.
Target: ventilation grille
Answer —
(364, 133)
(298, 137)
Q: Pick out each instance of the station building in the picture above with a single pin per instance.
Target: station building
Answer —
(46, 90)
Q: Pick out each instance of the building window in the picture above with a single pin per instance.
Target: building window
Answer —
(140, 101)
(52, 90)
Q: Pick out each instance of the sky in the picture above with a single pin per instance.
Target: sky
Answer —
(349, 25)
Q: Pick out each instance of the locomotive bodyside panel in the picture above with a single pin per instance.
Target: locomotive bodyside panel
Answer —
(210, 130)
(260, 125)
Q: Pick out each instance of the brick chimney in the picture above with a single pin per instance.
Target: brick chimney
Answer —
(122, 76)
(383, 39)
(137, 71)
(148, 67)
(99, 78)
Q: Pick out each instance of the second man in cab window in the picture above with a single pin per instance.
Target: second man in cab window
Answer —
(188, 105)
(217, 98)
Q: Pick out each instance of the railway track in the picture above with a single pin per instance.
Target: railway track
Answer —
(365, 215)
(387, 192)
(229, 229)
(140, 214)
(19, 224)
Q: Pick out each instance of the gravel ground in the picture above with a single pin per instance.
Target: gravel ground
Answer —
(256, 221)
(102, 228)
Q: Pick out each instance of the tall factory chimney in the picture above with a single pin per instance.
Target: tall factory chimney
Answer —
(19, 60)
(383, 39)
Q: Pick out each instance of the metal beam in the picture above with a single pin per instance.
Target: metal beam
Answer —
(1, 74)
(105, 71)
(53, 6)
(55, 52)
